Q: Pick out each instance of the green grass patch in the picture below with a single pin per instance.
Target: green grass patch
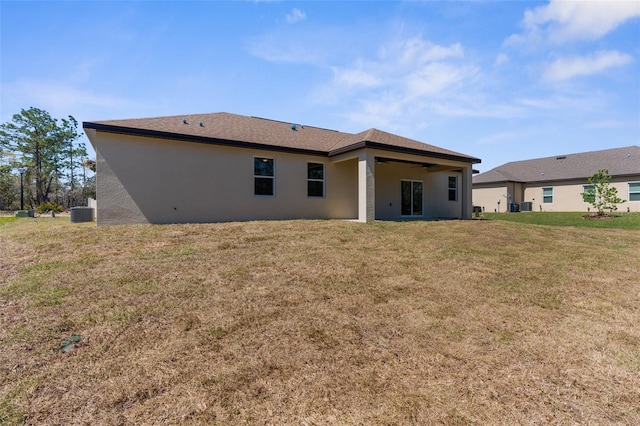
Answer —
(620, 221)
(10, 412)
(32, 279)
(43, 283)
(8, 219)
(51, 296)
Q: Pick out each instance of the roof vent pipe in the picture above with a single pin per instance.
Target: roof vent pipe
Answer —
(201, 124)
(185, 121)
(293, 127)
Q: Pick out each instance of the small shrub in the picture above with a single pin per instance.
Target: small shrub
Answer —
(49, 207)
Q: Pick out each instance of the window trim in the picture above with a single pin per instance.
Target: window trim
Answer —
(309, 179)
(635, 192)
(544, 197)
(412, 181)
(273, 177)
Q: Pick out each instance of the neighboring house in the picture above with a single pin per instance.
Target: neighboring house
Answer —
(557, 183)
(227, 167)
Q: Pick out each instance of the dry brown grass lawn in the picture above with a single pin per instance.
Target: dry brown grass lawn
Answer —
(319, 322)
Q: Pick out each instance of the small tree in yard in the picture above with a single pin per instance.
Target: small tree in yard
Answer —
(602, 196)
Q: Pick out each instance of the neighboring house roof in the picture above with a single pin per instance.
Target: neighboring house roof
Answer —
(260, 133)
(618, 161)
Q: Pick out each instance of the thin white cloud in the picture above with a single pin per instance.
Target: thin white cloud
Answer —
(436, 78)
(591, 100)
(292, 53)
(295, 47)
(61, 96)
(411, 68)
(416, 51)
(355, 77)
(395, 113)
(540, 103)
(383, 112)
(498, 138)
(502, 58)
(606, 124)
(475, 108)
(408, 83)
(403, 80)
(565, 21)
(296, 15)
(61, 99)
(567, 68)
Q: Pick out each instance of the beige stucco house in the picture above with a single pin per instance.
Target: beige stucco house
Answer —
(227, 167)
(557, 183)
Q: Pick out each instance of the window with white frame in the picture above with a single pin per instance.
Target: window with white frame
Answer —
(315, 180)
(634, 191)
(547, 195)
(453, 188)
(264, 176)
(589, 192)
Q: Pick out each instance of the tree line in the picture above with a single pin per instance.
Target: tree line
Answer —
(42, 163)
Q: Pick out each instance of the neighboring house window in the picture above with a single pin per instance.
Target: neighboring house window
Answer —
(453, 188)
(634, 191)
(315, 180)
(411, 202)
(264, 176)
(547, 195)
(589, 197)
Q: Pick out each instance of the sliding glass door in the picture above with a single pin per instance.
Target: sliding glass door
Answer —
(411, 204)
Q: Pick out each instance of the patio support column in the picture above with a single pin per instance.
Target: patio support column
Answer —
(467, 202)
(366, 187)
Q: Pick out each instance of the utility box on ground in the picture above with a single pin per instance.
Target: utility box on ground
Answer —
(526, 206)
(81, 214)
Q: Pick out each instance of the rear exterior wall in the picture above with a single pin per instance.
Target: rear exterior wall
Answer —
(491, 197)
(567, 196)
(435, 203)
(145, 180)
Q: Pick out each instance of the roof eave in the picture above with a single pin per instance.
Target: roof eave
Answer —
(581, 178)
(493, 182)
(404, 150)
(196, 139)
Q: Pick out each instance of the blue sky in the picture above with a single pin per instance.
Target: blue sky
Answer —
(502, 81)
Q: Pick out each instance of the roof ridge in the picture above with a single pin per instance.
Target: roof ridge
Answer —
(373, 130)
(496, 171)
(500, 173)
(366, 136)
(292, 123)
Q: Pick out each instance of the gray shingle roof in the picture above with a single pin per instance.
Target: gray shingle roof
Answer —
(225, 128)
(619, 162)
